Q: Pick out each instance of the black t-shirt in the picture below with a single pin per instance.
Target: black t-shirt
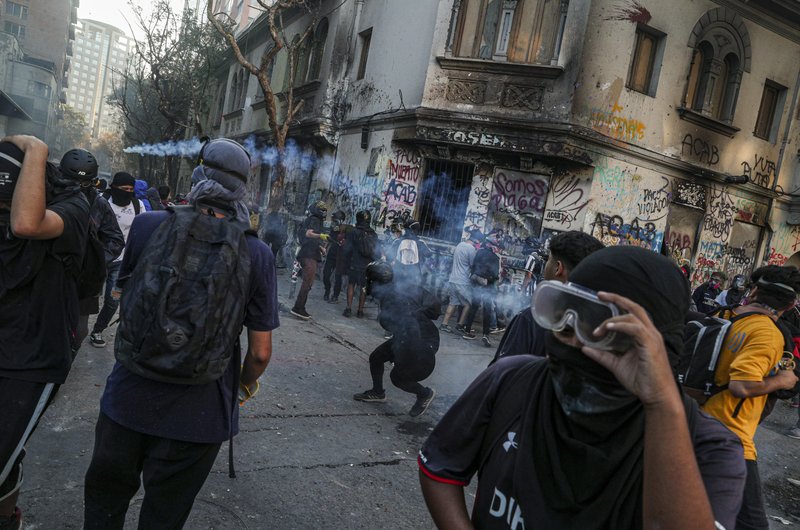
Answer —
(311, 248)
(190, 413)
(452, 454)
(522, 337)
(39, 314)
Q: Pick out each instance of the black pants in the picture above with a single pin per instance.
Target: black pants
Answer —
(172, 472)
(752, 515)
(23, 404)
(330, 268)
(109, 304)
(405, 375)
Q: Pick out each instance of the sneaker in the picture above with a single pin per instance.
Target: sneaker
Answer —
(347, 312)
(334, 300)
(460, 328)
(388, 335)
(486, 342)
(445, 328)
(326, 297)
(422, 404)
(300, 313)
(360, 313)
(498, 329)
(97, 340)
(794, 432)
(469, 335)
(370, 396)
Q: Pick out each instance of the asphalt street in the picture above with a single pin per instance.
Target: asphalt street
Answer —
(308, 455)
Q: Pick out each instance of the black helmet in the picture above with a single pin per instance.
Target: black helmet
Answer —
(78, 164)
(379, 272)
(363, 217)
(318, 209)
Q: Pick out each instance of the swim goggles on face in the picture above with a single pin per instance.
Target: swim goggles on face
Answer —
(558, 305)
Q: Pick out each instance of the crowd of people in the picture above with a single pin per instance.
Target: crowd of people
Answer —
(587, 416)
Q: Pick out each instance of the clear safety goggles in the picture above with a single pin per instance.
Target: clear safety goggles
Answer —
(558, 305)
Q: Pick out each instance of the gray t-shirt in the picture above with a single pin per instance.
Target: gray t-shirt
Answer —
(462, 263)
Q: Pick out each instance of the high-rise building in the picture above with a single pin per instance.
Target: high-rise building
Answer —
(39, 61)
(101, 54)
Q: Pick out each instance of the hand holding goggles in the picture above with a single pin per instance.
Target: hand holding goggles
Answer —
(557, 306)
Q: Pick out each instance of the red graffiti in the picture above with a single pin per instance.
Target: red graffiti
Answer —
(776, 258)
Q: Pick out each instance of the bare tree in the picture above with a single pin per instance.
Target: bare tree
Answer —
(167, 86)
(278, 124)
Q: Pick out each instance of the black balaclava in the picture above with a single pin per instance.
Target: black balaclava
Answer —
(582, 433)
(118, 196)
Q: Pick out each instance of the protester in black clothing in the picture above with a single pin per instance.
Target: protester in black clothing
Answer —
(589, 438)
(705, 295)
(335, 242)
(81, 166)
(360, 249)
(409, 315)
(411, 255)
(733, 295)
(44, 222)
(162, 435)
(276, 233)
(524, 335)
(485, 273)
(312, 243)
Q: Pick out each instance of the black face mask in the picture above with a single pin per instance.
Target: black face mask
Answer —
(121, 197)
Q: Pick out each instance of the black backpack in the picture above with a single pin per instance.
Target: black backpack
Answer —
(92, 275)
(366, 242)
(182, 310)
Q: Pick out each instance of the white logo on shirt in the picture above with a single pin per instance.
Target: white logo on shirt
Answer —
(507, 508)
(510, 443)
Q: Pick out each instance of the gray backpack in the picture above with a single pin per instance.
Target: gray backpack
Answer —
(182, 310)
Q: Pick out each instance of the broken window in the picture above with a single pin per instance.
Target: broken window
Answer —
(522, 31)
(443, 199)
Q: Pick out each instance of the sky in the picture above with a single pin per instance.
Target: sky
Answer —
(115, 12)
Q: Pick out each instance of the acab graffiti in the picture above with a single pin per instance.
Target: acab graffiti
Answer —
(614, 230)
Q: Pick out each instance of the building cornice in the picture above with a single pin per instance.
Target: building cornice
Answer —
(752, 11)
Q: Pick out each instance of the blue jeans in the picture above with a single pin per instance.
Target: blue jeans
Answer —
(109, 304)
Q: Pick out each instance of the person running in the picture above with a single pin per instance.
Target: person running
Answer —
(336, 237)
(597, 434)
(312, 243)
(125, 207)
(747, 367)
(460, 284)
(524, 335)
(171, 398)
(409, 315)
(360, 249)
(81, 166)
(44, 222)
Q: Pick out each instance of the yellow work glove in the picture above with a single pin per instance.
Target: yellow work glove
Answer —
(246, 392)
(324, 237)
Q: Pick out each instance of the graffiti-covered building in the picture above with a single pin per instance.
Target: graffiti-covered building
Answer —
(634, 120)
(668, 125)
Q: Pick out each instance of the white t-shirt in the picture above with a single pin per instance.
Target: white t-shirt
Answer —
(125, 215)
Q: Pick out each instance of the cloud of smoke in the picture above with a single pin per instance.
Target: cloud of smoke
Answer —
(294, 157)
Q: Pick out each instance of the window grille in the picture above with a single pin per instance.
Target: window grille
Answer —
(443, 199)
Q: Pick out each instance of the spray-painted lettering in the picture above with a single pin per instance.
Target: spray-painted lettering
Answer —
(761, 171)
(567, 201)
(522, 194)
(719, 218)
(613, 124)
(700, 149)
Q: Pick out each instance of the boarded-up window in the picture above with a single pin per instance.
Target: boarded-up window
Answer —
(767, 111)
(643, 59)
